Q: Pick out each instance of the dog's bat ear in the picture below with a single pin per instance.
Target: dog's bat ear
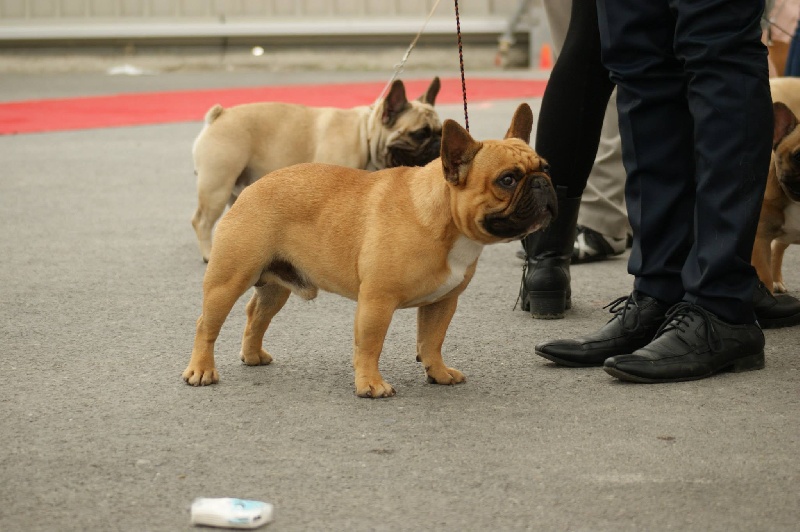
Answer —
(785, 122)
(430, 95)
(521, 123)
(458, 150)
(394, 103)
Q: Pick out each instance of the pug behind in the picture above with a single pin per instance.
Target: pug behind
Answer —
(240, 144)
(316, 226)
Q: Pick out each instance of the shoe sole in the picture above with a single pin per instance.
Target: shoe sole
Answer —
(567, 363)
(779, 323)
(751, 363)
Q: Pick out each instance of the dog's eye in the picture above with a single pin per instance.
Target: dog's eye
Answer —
(546, 168)
(421, 134)
(507, 181)
(796, 157)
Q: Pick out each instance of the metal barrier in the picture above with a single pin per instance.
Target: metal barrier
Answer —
(90, 22)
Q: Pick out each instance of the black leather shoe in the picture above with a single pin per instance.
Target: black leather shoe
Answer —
(775, 311)
(692, 344)
(636, 320)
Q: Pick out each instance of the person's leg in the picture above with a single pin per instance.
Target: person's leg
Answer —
(602, 221)
(558, 16)
(793, 58)
(574, 103)
(729, 98)
(726, 90)
(603, 227)
(656, 127)
(657, 147)
(567, 135)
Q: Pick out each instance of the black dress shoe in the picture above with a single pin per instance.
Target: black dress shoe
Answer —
(692, 344)
(775, 311)
(636, 320)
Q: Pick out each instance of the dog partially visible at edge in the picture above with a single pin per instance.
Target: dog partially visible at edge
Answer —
(315, 227)
(779, 222)
(239, 145)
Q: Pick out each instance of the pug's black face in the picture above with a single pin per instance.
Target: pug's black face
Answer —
(787, 161)
(417, 147)
(786, 150)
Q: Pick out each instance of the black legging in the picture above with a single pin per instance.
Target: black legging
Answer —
(574, 103)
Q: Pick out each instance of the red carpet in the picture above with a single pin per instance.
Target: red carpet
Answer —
(33, 116)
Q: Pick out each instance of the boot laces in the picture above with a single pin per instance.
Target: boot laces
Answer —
(522, 282)
(680, 315)
(619, 307)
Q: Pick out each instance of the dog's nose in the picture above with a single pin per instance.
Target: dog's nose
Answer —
(544, 193)
(435, 145)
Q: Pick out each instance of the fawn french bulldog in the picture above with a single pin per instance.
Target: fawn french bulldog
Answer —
(779, 222)
(396, 238)
(240, 144)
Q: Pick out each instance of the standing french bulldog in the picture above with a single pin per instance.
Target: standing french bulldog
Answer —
(317, 226)
(779, 222)
(240, 144)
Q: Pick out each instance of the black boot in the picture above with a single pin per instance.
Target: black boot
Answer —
(545, 290)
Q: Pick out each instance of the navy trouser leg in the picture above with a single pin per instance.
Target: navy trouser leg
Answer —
(696, 121)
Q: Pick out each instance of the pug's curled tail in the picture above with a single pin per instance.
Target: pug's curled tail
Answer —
(214, 113)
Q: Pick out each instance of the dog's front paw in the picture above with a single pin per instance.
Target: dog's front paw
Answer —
(261, 358)
(197, 375)
(445, 375)
(778, 287)
(373, 388)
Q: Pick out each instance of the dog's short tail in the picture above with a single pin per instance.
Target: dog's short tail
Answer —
(214, 113)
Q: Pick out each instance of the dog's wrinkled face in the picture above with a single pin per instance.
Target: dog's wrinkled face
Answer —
(501, 190)
(410, 131)
(527, 199)
(786, 151)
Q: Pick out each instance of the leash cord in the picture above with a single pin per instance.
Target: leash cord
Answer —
(461, 64)
(772, 24)
(399, 66)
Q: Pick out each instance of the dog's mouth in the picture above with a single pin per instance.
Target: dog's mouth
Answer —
(531, 208)
(408, 153)
(791, 188)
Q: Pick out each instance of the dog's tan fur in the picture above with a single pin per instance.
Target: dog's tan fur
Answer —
(779, 223)
(397, 238)
(240, 144)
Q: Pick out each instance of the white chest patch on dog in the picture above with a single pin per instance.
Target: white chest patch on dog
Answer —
(791, 224)
(462, 255)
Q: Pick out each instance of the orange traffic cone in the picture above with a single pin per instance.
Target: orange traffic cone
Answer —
(545, 57)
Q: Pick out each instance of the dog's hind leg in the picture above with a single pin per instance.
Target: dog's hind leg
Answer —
(432, 323)
(211, 201)
(267, 301)
(762, 259)
(219, 164)
(222, 287)
(778, 249)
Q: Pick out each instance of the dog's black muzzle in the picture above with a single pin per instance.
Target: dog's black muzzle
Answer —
(533, 203)
(407, 154)
(792, 188)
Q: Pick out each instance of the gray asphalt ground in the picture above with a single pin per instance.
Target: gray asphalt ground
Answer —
(100, 287)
